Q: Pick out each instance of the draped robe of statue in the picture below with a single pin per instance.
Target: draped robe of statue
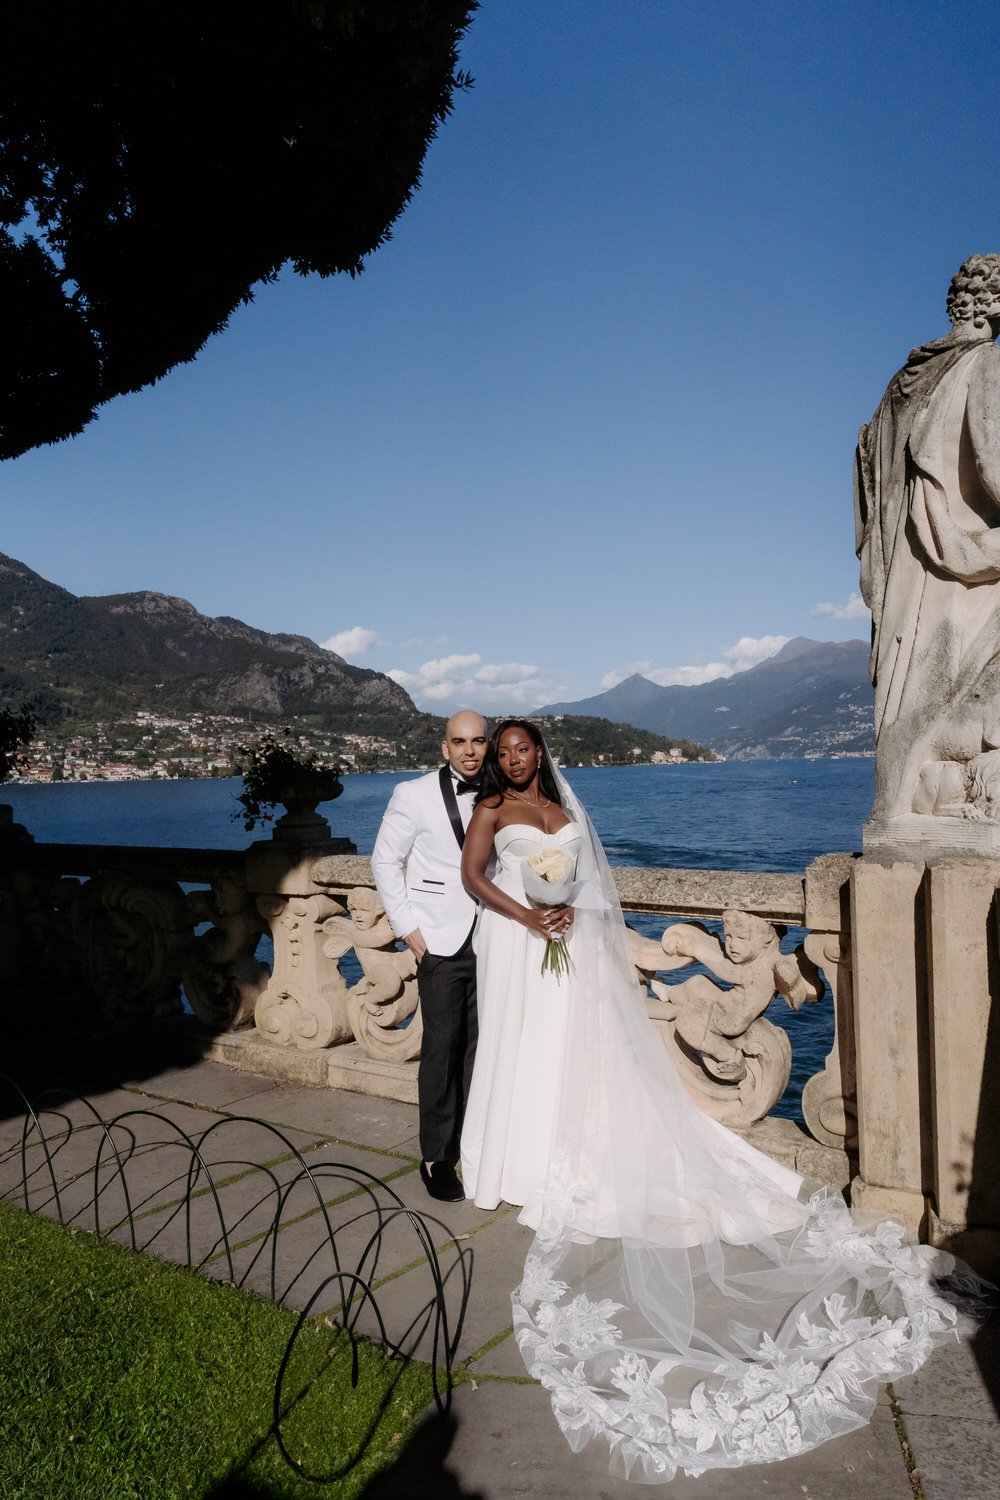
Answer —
(927, 496)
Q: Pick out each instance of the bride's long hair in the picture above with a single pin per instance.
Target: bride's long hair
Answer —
(492, 781)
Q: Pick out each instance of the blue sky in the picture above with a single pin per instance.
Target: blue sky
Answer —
(594, 406)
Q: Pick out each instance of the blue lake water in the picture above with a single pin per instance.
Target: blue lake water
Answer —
(738, 815)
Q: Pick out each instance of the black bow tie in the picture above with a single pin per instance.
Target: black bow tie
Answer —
(465, 786)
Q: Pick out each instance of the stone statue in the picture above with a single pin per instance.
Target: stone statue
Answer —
(714, 1021)
(734, 1062)
(386, 995)
(927, 494)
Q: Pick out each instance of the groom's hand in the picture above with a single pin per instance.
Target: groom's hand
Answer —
(415, 942)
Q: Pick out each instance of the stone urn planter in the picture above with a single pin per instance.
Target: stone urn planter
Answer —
(274, 772)
(300, 792)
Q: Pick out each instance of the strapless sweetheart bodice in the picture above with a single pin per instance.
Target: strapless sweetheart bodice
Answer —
(517, 841)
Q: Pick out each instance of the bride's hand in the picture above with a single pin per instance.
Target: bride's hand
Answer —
(548, 921)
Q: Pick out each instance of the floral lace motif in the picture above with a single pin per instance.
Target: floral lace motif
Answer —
(658, 1415)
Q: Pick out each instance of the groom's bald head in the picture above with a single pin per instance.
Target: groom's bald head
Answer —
(464, 743)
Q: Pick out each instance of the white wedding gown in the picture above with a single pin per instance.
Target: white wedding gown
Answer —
(685, 1300)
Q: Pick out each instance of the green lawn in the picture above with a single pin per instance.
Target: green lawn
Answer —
(124, 1378)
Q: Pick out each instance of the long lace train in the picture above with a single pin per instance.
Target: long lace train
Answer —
(687, 1300)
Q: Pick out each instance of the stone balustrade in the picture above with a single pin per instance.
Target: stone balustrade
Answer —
(733, 1060)
(115, 926)
(135, 931)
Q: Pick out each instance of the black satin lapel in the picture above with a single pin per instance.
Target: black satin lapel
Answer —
(451, 804)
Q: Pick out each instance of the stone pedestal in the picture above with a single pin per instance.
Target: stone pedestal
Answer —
(964, 990)
(926, 839)
(926, 973)
(893, 1063)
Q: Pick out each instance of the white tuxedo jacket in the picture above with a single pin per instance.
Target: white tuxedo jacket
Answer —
(416, 863)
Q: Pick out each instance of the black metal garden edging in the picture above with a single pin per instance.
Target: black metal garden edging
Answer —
(118, 1155)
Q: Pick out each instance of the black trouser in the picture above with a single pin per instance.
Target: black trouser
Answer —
(447, 989)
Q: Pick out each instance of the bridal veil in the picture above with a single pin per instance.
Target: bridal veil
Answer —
(686, 1300)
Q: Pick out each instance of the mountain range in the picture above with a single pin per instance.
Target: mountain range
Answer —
(811, 698)
(88, 658)
(77, 660)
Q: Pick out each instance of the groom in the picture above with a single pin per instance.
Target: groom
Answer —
(417, 867)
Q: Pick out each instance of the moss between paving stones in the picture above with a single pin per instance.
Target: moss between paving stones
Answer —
(124, 1376)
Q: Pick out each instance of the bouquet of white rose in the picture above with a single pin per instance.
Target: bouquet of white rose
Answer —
(550, 880)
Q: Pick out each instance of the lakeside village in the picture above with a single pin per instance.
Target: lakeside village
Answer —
(157, 747)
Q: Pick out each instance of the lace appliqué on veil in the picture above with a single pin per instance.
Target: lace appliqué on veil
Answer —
(770, 1405)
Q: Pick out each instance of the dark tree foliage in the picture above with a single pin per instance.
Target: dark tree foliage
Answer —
(17, 726)
(158, 159)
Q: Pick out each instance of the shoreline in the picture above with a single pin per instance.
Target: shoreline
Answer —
(104, 779)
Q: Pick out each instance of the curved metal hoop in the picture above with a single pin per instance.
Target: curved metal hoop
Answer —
(363, 1209)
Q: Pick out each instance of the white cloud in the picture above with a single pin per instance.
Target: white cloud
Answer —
(750, 649)
(747, 652)
(353, 643)
(854, 609)
(511, 671)
(447, 668)
(449, 681)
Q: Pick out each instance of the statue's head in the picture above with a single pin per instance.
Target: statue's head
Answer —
(746, 936)
(974, 294)
(365, 908)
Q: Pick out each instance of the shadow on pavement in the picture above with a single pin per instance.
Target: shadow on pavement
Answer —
(86, 1054)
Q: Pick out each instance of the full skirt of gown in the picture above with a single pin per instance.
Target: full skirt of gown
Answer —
(686, 1300)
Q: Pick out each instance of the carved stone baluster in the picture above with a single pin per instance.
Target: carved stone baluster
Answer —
(223, 979)
(131, 938)
(305, 1002)
(39, 935)
(829, 1099)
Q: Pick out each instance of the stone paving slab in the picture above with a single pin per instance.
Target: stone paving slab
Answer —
(57, 1115)
(384, 1123)
(494, 1252)
(148, 1150)
(256, 1202)
(55, 1111)
(407, 1307)
(956, 1458)
(507, 1444)
(74, 1148)
(503, 1360)
(473, 1317)
(949, 1410)
(137, 1187)
(392, 1262)
(957, 1382)
(208, 1084)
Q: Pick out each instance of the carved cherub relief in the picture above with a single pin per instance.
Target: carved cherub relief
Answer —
(387, 989)
(734, 1061)
(714, 1021)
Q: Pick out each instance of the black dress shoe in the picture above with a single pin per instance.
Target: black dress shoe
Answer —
(442, 1182)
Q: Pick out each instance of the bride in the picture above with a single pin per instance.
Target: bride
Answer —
(685, 1299)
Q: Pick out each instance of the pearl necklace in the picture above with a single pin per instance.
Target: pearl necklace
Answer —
(528, 802)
